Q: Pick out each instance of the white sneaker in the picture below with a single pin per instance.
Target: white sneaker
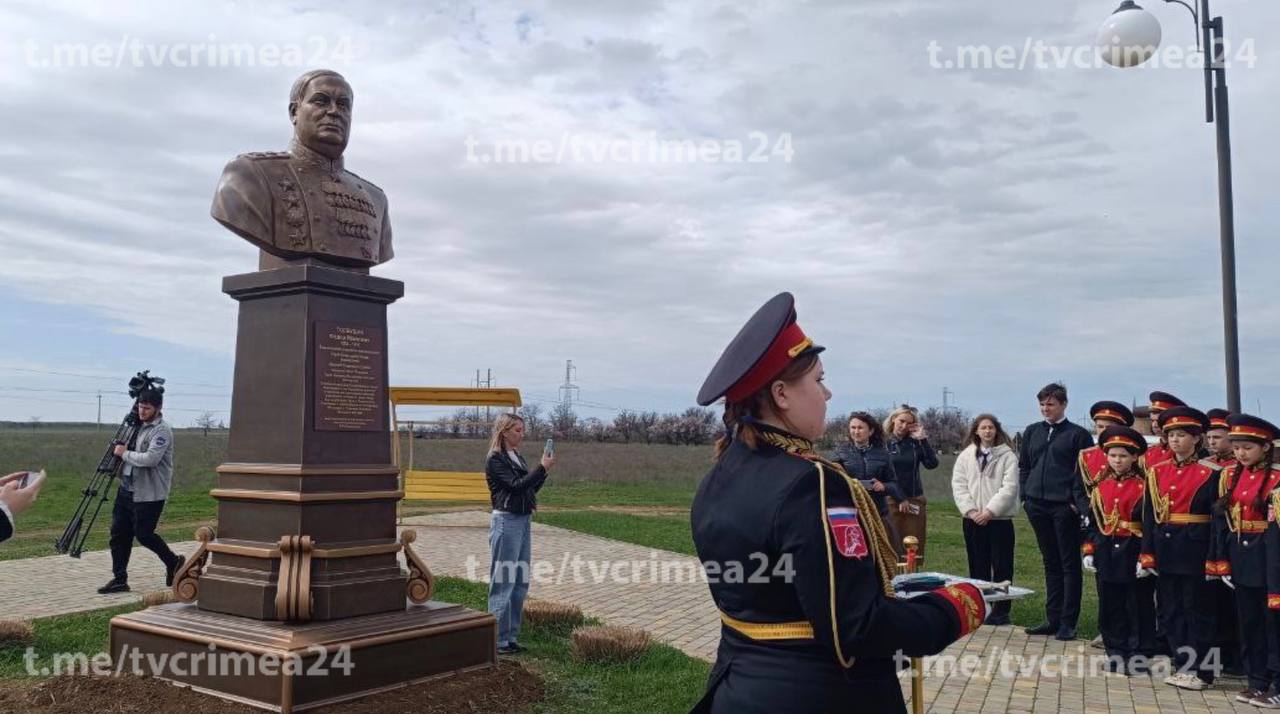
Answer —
(1191, 682)
(1173, 679)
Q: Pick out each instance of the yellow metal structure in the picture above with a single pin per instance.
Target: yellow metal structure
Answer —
(443, 485)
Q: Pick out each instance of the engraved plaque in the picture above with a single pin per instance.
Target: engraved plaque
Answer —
(350, 386)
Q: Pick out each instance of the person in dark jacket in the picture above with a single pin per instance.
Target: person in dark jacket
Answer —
(865, 458)
(1050, 490)
(513, 489)
(909, 448)
(818, 628)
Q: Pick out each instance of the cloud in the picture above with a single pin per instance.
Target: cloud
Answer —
(938, 227)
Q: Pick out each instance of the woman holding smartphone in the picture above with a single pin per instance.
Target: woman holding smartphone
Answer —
(865, 458)
(513, 489)
(909, 449)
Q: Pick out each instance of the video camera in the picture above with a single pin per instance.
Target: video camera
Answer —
(144, 382)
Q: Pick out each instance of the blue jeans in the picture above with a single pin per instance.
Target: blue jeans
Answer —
(508, 572)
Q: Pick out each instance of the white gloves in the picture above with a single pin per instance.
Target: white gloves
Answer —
(1226, 580)
(1087, 563)
(1145, 572)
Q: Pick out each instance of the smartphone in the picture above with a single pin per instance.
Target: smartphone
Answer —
(550, 448)
(29, 477)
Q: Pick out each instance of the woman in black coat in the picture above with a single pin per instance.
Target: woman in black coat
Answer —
(865, 458)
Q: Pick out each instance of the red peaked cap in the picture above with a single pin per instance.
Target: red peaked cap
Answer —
(762, 349)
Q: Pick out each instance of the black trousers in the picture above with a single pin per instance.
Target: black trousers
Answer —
(1118, 618)
(990, 551)
(1186, 605)
(1057, 530)
(1226, 628)
(1151, 639)
(131, 520)
(1257, 631)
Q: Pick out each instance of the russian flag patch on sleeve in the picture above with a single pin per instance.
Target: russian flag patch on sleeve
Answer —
(847, 529)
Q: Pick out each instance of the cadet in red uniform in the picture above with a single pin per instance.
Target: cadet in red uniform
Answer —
(1226, 627)
(815, 626)
(1245, 550)
(1093, 460)
(1181, 492)
(1218, 438)
(1115, 538)
(1160, 401)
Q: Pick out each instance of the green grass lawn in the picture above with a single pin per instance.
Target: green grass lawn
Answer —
(662, 680)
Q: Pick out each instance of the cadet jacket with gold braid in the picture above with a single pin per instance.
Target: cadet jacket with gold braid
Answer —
(1090, 465)
(1176, 521)
(1240, 526)
(1115, 525)
(810, 594)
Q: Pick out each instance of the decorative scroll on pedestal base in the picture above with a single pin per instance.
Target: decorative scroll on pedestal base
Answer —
(422, 584)
(293, 592)
(186, 582)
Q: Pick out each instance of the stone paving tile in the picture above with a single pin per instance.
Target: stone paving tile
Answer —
(678, 613)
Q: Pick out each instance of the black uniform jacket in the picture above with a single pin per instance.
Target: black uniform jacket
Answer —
(1175, 525)
(1239, 528)
(1115, 525)
(806, 556)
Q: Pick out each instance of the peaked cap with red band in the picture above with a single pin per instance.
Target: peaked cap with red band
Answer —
(1245, 426)
(763, 348)
(1218, 418)
(1114, 412)
(1183, 418)
(1121, 435)
(1161, 401)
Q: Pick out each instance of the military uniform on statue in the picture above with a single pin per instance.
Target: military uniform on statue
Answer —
(1175, 543)
(819, 632)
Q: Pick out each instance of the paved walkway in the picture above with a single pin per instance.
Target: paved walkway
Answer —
(997, 669)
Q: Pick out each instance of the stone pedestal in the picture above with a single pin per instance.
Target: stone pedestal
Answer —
(305, 556)
(310, 449)
(286, 667)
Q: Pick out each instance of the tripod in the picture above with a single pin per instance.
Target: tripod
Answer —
(99, 488)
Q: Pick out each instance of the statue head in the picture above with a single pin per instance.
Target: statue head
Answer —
(320, 109)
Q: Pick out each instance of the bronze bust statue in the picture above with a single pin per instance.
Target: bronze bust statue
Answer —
(303, 203)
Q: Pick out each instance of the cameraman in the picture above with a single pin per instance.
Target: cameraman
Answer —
(145, 480)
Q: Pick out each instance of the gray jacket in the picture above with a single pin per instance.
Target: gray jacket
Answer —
(151, 465)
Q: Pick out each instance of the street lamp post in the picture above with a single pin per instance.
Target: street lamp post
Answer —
(1127, 39)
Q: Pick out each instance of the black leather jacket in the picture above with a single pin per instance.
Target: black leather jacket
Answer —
(513, 487)
(873, 464)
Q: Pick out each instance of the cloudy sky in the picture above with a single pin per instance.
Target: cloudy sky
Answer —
(980, 228)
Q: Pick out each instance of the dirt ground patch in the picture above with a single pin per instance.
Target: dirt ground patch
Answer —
(509, 687)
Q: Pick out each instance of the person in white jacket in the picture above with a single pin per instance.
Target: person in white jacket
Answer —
(984, 484)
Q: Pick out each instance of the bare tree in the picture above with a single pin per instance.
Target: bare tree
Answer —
(534, 424)
(205, 421)
(564, 422)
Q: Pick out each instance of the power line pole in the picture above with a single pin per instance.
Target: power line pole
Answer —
(569, 390)
(945, 393)
(99, 410)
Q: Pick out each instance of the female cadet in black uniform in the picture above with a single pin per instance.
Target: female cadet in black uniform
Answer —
(1181, 492)
(1241, 550)
(795, 552)
(1112, 544)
